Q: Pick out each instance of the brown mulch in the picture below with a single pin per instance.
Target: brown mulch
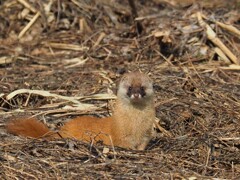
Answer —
(62, 59)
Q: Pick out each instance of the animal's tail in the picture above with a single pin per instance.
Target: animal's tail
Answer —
(30, 128)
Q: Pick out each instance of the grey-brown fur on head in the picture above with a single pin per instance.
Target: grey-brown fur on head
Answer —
(135, 84)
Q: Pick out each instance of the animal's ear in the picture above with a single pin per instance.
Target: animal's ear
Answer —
(124, 77)
(148, 77)
(117, 83)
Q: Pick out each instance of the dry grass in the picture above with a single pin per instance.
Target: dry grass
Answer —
(60, 59)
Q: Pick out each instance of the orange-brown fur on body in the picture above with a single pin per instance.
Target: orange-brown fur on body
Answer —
(28, 127)
(130, 126)
(88, 129)
(84, 128)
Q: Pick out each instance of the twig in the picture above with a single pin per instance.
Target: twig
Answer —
(27, 5)
(100, 38)
(229, 28)
(213, 37)
(33, 20)
(164, 131)
(66, 46)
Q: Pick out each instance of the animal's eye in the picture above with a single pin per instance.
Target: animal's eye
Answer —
(129, 88)
(142, 88)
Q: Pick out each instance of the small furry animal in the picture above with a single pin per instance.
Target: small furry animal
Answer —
(131, 125)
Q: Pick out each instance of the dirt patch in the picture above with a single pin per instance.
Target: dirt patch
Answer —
(73, 53)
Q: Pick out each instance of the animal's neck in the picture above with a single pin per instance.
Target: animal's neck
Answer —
(127, 113)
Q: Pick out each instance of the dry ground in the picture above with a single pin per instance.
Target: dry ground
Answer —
(74, 52)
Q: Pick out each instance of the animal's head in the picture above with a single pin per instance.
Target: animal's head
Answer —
(135, 87)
